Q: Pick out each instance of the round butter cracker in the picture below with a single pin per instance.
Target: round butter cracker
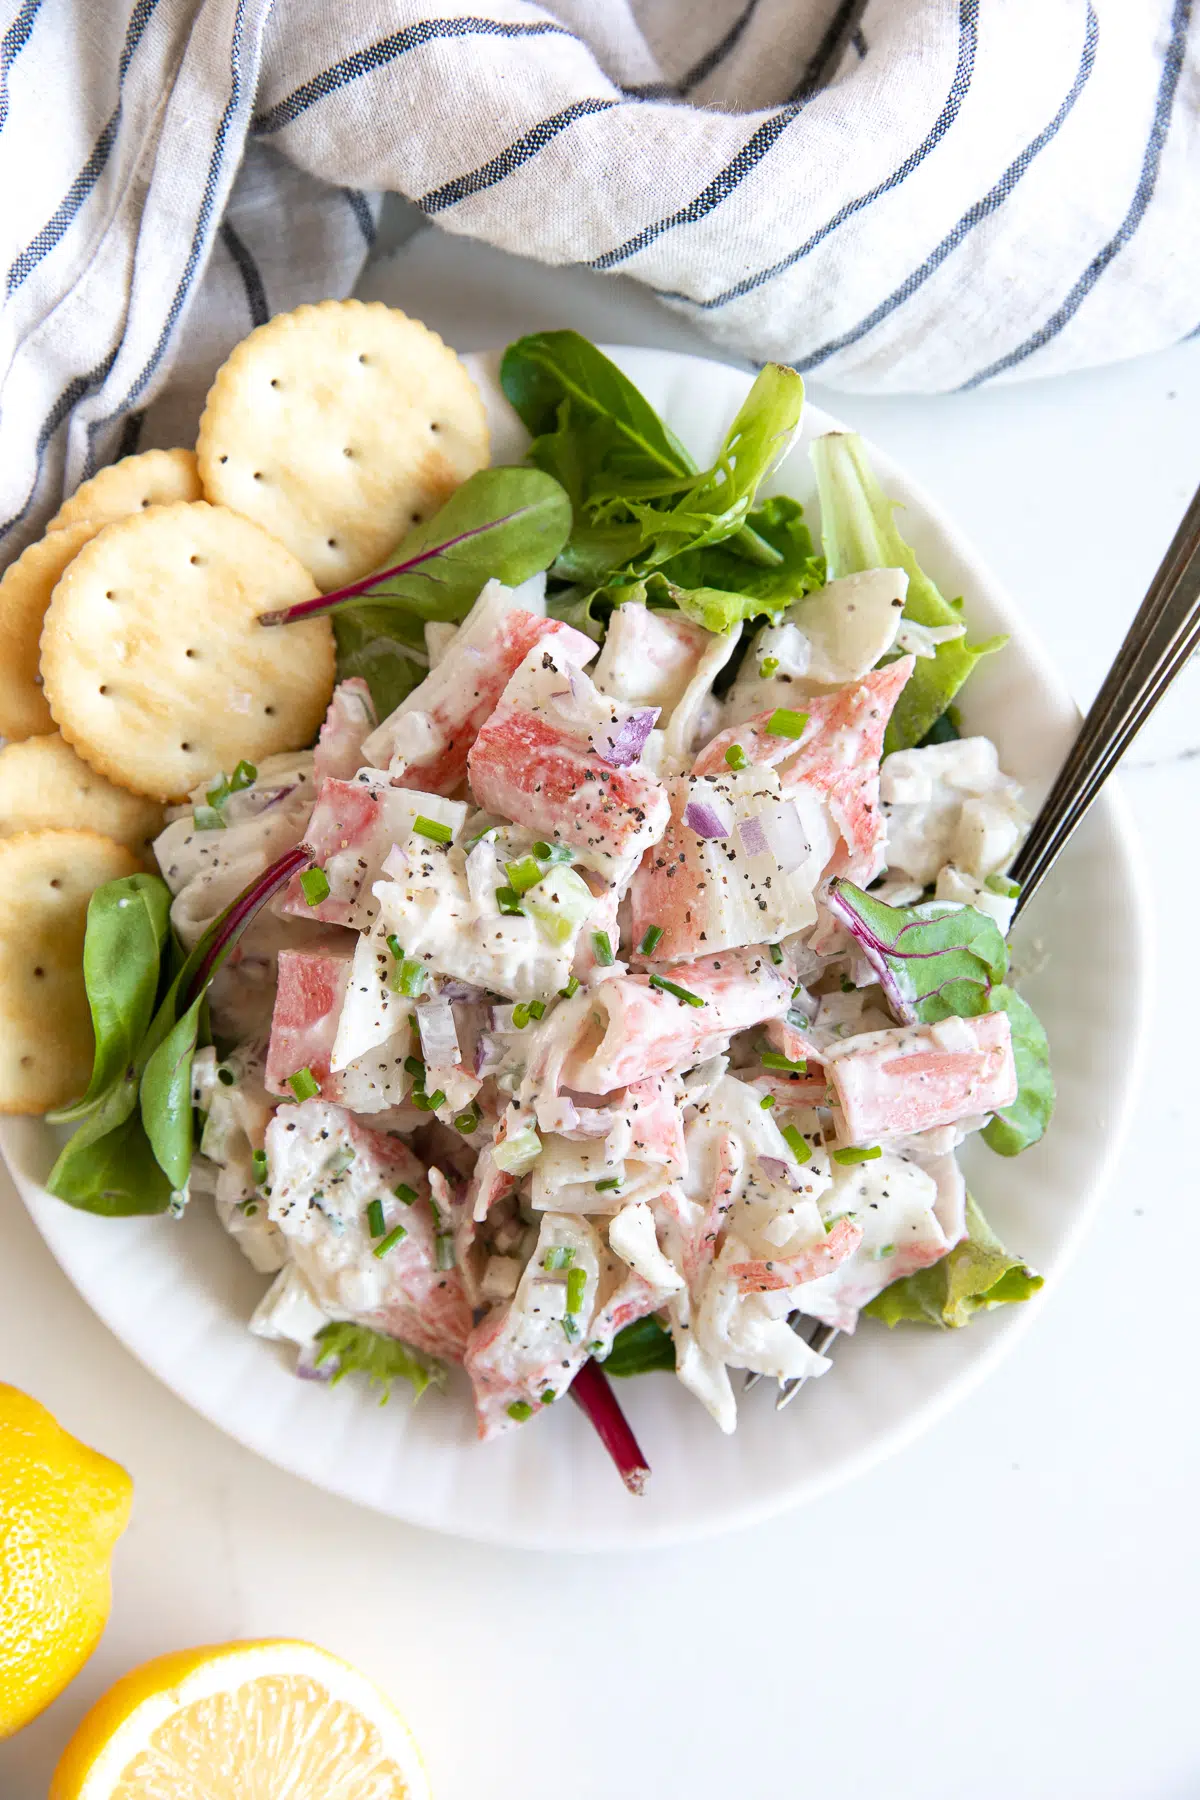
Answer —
(151, 478)
(45, 785)
(153, 661)
(46, 881)
(25, 591)
(337, 427)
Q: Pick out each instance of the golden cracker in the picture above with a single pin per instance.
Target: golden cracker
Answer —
(46, 881)
(337, 427)
(151, 478)
(25, 591)
(154, 664)
(45, 785)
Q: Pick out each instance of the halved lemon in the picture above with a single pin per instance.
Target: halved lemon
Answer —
(231, 1721)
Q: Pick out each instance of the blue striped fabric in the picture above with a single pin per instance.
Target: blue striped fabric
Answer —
(903, 194)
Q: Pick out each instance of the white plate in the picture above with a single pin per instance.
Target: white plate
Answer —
(178, 1294)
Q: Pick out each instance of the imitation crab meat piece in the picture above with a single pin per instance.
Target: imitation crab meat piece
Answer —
(836, 758)
(425, 741)
(628, 1029)
(324, 1171)
(353, 827)
(890, 1084)
(311, 992)
(649, 657)
(640, 1152)
(349, 721)
(559, 758)
(766, 1275)
(835, 635)
(894, 1205)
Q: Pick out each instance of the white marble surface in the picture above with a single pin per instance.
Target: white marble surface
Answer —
(1007, 1608)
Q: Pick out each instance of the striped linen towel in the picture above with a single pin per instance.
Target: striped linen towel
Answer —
(905, 195)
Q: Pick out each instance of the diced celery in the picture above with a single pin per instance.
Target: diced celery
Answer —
(559, 904)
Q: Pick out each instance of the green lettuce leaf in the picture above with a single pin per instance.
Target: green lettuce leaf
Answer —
(639, 1348)
(978, 1274)
(1025, 1121)
(383, 1360)
(779, 523)
(858, 532)
(108, 1166)
(366, 648)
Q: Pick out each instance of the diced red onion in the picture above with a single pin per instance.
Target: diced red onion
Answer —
(776, 1169)
(592, 1122)
(465, 991)
(704, 819)
(395, 864)
(489, 1054)
(502, 1020)
(624, 744)
(439, 1038)
(754, 838)
(309, 1369)
(786, 836)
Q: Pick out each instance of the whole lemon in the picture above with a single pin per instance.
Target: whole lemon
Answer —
(62, 1508)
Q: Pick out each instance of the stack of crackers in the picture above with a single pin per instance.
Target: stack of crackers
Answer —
(133, 670)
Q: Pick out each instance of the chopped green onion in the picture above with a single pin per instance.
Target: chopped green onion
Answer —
(304, 1084)
(555, 853)
(208, 818)
(570, 1327)
(416, 1068)
(576, 1289)
(885, 1250)
(520, 1410)
(771, 1059)
(249, 1208)
(767, 1102)
(434, 1100)
(520, 1015)
(314, 884)
(409, 978)
(602, 949)
(847, 985)
(376, 1224)
(243, 777)
(680, 993)
(609, 1181)
(435, 1210)
(433, 829)
(650, 940)
(509, 901)
(776, 954)
(467, 1121)
(548, 1396)
(393, 1237)
(395, 946)
(796, 1143)
(226, 1077)
(783, 722)
(524, 874)
(849, 1157)
(768, 666)
(537, 1009)
(259, 1164)
(736, 757)
(443, 1246)
(403, 1192)
(559, 1256)
(571, 989)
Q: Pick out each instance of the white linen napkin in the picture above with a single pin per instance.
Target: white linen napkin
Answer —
(910, 195)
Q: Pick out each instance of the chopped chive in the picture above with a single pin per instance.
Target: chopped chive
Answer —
(443, 1248)
(436, 1210)
(570, 1327)
(520, 1015)
(520, 1410)
(403, 1192)
(376, 1224)
(771, 1059)
(776, 954)
(571, 989)
(848, 1157)
(559, 1256)
(547, 1396)
(433, 829)
(680, 993)
(243, 776)
(767, 1102)
(304, 1084)
(226, 1077)
(783, 722)
(796, 1144)
(434, 1100)
(395, 946)
(467, 1121)
(602, 949)
(537, 1009)
(650, 940)
(555, 853)
(410, 977)
(576, 1289)
(259, 1163)
(847, 985)
(393, 1237)
(415, 1067)
(736, 757)
(524, 874)
(509, 901)
(314, 884)
(208, 818)
(249, 1208)
(768, 666)
(885, 1250)
(609, 1181)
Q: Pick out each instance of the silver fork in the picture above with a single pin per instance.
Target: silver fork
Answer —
(1164, 634)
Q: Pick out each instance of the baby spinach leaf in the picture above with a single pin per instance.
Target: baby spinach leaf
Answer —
(797, 569)
(358, 1350)
(934, 961)
(127, 922)
(639, 1348)
(1016, 1127)
(108, 1167)
(166, 1097)
(858, 532)
(366, 648)
(978, 1274)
